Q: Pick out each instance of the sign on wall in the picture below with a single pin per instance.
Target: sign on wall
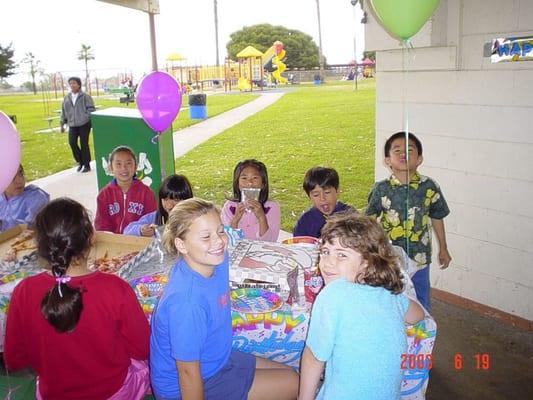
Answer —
(512, 49)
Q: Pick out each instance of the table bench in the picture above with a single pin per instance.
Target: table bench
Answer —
(51, 119)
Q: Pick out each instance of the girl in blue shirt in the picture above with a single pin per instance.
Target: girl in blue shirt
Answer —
(190, 345)
(172, 190)
(357, 322)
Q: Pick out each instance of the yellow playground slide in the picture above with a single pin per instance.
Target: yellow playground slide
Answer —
(281, 67)
(243, 84)
(274, 55)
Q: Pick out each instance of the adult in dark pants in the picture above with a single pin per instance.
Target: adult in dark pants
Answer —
(76, 113)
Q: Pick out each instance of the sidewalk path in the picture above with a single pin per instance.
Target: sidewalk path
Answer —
(83, 187)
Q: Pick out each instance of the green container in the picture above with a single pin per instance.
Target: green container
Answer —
(115, 126)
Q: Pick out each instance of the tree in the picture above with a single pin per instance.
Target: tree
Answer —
(301, 50)
(27, 85)
(34, 68)
(7, 65)
(86, 54)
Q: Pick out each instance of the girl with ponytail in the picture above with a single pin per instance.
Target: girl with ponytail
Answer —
(82, 332)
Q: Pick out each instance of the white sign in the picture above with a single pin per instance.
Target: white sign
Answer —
(512, 49)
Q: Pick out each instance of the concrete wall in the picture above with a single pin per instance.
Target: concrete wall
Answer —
(475, 120)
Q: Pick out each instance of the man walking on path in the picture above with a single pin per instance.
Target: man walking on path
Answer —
(76, 113)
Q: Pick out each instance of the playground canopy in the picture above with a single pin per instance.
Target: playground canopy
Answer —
(249, 52)
(175, 57)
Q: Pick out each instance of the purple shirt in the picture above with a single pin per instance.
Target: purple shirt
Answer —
(21, 209)
(311, 222)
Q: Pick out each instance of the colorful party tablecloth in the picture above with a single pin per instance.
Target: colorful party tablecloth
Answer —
(280, 336)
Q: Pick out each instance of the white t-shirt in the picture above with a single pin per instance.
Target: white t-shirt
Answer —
(74, 97)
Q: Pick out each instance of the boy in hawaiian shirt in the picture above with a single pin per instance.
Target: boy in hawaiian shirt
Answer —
(405, 203)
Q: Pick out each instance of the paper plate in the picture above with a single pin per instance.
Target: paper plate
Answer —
(149, 286)
(253, 300)
(148, 290)
(305, 240)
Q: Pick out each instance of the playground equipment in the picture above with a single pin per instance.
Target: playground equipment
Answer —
(368, 67)
(252, 58)
(249, 70)
(252, 63)
(272, 61)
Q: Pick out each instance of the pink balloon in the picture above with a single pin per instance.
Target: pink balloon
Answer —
(9, 151)
(159, 100)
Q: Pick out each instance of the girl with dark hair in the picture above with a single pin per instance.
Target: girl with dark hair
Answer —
(359, 315)
(125, 199)
(174, 189)
(258, 217)
(82, 332)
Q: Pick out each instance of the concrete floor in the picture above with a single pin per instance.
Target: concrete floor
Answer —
(510, 352)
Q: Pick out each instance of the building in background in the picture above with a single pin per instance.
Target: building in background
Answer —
(474, 118)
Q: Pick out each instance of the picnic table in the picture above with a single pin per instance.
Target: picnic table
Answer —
(278, 334)
(51, 118)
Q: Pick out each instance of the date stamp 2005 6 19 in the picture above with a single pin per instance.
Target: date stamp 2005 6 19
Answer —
(425, 361)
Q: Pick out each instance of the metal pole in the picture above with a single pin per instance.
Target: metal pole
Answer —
(216, 32)
(152, 41)
(354, 3)
(320, 57)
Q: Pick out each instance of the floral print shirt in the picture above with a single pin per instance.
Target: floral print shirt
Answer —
(404, 212)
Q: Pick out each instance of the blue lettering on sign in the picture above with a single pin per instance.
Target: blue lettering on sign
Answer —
(526, 47)
(503, 50)
(515, 49)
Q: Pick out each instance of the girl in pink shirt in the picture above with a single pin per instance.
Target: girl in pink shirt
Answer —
(258, 218)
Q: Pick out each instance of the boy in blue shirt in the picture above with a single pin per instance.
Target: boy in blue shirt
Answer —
(407, 205)
(321, 185)
(19, 204)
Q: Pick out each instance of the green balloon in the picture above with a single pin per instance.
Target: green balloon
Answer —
(403, 18)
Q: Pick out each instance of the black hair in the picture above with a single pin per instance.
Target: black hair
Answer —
(76, 79)
(261, 168)
(398, 135)
(122, 149)
(63, 234)
(321, 176)
(175, 187)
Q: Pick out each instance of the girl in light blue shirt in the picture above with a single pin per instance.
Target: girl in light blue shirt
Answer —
(357, 323)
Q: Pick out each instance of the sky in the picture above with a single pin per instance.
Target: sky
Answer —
(53, 30)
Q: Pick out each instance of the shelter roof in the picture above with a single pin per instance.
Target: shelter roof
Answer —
(249, 52)
(175, 57)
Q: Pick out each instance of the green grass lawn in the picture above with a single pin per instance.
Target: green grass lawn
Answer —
(329, 125)
(47, 153)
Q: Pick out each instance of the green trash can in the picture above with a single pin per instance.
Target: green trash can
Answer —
(116, 126)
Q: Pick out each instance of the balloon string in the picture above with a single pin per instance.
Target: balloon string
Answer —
(407, 45)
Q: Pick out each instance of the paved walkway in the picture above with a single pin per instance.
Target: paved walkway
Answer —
(83, 187)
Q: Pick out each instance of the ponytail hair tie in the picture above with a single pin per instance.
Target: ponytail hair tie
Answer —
(62, 280)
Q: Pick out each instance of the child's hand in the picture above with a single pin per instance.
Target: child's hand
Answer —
(444, 258)
(255, 207)
(148, 230)
(239, 212)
